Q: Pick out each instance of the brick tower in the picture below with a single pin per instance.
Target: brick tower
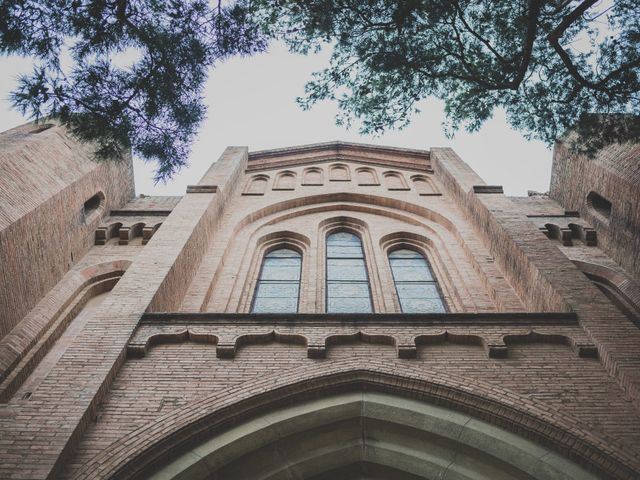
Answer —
(318, 312)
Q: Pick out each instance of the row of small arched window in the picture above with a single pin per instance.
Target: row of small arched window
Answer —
(347, 282)
(286, 180)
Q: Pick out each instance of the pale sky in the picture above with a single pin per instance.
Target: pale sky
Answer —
(252, 102)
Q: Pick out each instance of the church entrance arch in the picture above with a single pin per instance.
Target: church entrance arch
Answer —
(369, 435)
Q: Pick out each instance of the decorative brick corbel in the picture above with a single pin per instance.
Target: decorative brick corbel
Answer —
(406, 346)
(495, 347)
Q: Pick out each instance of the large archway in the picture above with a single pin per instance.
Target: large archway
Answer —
(368, 435)
(337, 422)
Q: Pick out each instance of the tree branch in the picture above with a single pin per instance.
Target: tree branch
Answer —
(554, 40)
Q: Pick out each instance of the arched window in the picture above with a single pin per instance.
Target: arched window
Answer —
(347, 280)
(416, 286)
(278, 288)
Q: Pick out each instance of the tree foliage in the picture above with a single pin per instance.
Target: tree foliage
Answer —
(551, 65)
(130, 72)
(124, 72)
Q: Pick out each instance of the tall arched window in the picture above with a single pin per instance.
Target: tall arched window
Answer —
(278, 288)
(347, 280)
(416, 286)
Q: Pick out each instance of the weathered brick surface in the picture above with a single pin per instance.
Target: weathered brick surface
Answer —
(137, 378)
(45, 178)
(614, 174)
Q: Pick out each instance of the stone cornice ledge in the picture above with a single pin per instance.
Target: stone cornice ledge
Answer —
(423, 319)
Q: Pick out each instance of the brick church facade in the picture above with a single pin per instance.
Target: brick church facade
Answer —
(330, 311)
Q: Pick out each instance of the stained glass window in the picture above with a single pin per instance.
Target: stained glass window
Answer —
(347, 280)
(416, 286)
(278, 288)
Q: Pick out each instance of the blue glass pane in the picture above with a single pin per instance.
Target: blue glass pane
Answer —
(408, 262)
(343, 237)
(276, 272)
(353, 251)
(349, 290)
(349, 305)
(283, 262)
(418, 290)
(277, 290)
(346, 269)
(283, 252)
(417, 305)
(411, 274)
(275, 305)
(405, 253)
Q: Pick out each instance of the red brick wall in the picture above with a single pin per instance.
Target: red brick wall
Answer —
(493, 260)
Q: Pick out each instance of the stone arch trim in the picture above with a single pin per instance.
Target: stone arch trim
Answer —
(133, 456)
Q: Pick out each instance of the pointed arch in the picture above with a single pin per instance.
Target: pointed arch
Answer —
(518, 437)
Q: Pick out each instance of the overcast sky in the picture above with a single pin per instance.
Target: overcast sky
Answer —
(252, 102)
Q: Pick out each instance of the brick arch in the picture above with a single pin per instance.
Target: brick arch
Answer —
(137, 454)
(23, 352)
(442, 232)
(622, 290)
(359, 198)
